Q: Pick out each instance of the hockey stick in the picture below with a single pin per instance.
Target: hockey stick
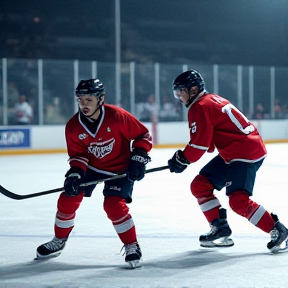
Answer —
(12, 195)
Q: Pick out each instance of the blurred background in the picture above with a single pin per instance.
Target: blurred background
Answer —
(137, 48)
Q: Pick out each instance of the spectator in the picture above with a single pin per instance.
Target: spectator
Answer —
(23, 111)
(168, 111)
(278, 109)
(53, 114)
(148, 111)
(259, 112)
(285, 111)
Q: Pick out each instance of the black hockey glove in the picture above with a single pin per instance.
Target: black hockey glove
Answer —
(178, 163)
(74, 178)
(136, 167)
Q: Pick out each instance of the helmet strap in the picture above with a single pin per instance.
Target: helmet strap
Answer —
(191, 98)
(195, 98)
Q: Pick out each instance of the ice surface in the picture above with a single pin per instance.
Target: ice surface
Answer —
(168, 222)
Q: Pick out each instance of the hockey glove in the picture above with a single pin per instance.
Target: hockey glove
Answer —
(178, 163)
(136, 167)
(74, 178)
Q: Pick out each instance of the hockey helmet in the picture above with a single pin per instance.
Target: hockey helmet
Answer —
(188, 79)
(93, 87)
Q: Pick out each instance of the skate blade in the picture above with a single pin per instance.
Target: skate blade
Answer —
(280, 249)
(134, 264)
(221, 242)
(43, 258)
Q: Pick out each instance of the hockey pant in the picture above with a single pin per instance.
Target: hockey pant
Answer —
(115, 207)
(239, 202)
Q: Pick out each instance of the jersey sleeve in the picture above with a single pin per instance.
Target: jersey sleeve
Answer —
(76, 151)
(135, 131)
(201, 133)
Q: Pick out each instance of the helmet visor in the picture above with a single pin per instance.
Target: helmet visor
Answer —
(178, 87)
(176, 94)
(97, 94)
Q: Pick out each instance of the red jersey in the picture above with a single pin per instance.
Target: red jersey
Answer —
(108, 150)
(215, 122)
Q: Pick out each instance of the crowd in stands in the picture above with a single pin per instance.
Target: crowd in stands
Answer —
(280, 111)
(23, 104)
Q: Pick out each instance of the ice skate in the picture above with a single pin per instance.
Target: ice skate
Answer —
(279, 236)
(133, 254)
(51, 249)
(219, 233)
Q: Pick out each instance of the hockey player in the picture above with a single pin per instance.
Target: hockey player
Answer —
(215, 123)
(99, 138)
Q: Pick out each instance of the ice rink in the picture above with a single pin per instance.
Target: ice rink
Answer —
(168, 222)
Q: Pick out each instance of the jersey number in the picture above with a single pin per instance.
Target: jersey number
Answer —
(238, 119)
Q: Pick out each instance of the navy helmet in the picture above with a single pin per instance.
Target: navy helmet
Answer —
(188, 79)
(93, 87)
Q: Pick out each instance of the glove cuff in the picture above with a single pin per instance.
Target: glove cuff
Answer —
(75, 172)
(74, 175)
(140, 155)
(180, 158)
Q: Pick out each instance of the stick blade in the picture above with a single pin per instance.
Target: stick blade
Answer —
(14, 196)
(9, 194)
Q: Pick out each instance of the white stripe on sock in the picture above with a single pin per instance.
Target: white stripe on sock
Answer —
(64, 223)
(125, 226)
(209, 205)
(257, 215)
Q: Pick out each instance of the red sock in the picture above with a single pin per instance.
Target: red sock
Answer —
(117, 212)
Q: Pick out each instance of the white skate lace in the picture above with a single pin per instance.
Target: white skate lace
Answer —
(130, 249)
(274, 233)
(212, 231)
(55, 244)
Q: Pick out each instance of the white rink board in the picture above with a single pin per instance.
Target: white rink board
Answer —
(168, 133)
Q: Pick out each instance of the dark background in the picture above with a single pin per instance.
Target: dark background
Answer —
(245, 32)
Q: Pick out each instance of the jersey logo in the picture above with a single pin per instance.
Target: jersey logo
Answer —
(101, 149)
(193, 127)
(229, 183)
(82, 136)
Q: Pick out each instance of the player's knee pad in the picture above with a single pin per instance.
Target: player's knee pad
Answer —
(241, 204)
(115, 207)
(69, 204)
(201, 187)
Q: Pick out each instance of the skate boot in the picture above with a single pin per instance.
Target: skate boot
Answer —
(51, 249)
(220, 231)
(279, 235)
(133, 254)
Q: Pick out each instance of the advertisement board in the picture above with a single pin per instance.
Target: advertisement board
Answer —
(15, 138)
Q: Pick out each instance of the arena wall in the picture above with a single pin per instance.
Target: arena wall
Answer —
(51, 139)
